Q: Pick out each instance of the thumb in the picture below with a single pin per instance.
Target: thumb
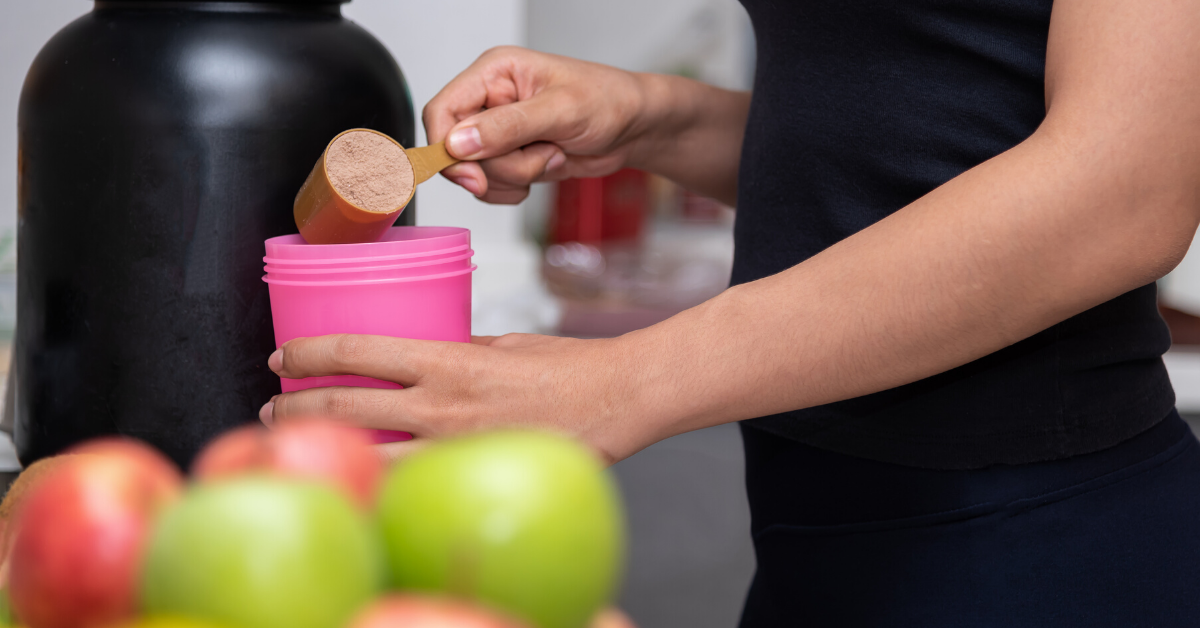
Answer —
(503, 129)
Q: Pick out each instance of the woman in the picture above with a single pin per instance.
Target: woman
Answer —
(942, 337)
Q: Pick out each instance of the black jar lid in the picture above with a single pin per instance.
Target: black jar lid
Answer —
(329, 6)
(127, 2)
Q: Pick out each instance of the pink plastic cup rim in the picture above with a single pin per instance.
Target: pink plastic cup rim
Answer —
(274, 270)
(366, 282)
(305, 263)
(397, 240)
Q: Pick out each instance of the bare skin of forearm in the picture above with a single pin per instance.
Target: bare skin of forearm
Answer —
(692, 134)
(930, 288)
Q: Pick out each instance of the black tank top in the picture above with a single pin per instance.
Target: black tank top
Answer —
(859, 108)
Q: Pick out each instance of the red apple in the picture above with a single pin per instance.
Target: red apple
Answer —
(611, 618)
(422, 611)
(232, 453)
(414, 611)
(137, 452)
(81, 532)
(32, 475)
(29, 478)
(310, 449)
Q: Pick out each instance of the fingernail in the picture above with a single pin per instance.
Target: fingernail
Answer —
(267, 413)
(275, 362)
(556, 161)
(469, 184)
(464, 143)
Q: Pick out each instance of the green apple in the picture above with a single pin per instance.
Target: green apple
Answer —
(527, 523)
(258, 552)
(6, 616)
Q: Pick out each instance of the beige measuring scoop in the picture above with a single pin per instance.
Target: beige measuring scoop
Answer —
(360, 185)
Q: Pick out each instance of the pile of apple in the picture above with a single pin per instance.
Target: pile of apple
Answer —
(303, 527)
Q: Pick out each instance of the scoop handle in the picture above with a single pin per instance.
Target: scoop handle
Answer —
(428, 161)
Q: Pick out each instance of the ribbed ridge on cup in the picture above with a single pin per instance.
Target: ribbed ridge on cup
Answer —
(361, 261)
(405, 254)
(397, 241)
(365, 282)
(385, 271)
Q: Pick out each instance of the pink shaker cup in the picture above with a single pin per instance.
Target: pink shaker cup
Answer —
(320, 289)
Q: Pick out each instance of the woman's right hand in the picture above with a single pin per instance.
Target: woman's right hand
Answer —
(522, 116)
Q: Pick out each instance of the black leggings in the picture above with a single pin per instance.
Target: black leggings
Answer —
(1110, 538)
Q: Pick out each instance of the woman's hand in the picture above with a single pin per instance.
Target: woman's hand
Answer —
(522, 116)
(527, 116)
(574, 387)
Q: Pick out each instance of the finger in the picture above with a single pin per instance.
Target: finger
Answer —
(468, 93)
(266, 413)
(504, 193)
(583, 166)
(376, 408)
(549, 115)
(523, 166)
(519, 170)
(391, 359)
(540, 161)
(483, 340)
(505, 197)
(391, 453)
(469, 175)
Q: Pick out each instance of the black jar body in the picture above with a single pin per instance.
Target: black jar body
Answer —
(159, 145)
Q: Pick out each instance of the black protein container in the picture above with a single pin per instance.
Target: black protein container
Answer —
(159, 144)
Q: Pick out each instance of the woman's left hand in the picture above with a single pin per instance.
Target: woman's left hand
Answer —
(574, 387)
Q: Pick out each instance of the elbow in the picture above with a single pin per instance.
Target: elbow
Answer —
(1139, 207)
(1159, 233)
(1136, 182)
(1170, 251)
(1163, 192)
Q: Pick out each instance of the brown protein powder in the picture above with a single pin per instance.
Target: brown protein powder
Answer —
(370, 171)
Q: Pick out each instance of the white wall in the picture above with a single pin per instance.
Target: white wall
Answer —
(25, 27)
(711, 38)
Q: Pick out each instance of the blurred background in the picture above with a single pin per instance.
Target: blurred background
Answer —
(586, 258)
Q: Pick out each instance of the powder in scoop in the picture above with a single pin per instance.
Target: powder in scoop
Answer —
(370, 171)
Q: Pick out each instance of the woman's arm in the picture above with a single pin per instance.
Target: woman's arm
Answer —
(529, 116)
(1103, 198)
(696, 136)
